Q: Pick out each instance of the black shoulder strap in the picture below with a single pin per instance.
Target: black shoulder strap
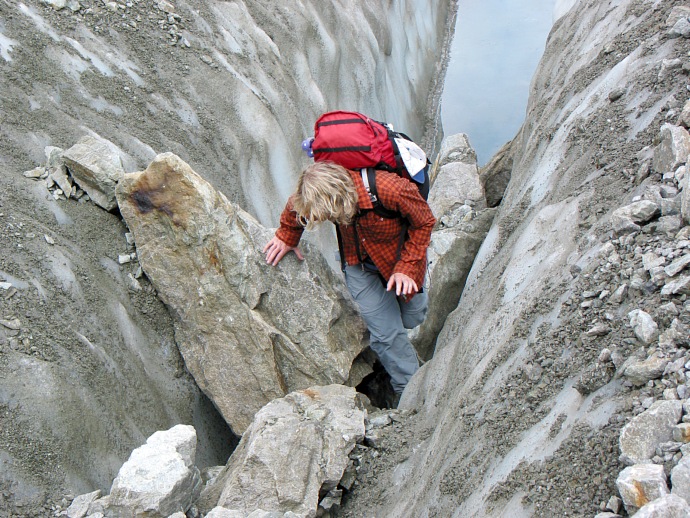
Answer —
(369, 179)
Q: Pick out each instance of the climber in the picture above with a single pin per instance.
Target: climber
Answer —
(384, 258)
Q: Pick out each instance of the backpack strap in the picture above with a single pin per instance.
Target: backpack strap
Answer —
(369, 180)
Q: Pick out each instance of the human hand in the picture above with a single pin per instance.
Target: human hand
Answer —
(404, 285)
(276, 249)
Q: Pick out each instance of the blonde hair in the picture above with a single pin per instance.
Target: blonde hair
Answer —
(325, 191)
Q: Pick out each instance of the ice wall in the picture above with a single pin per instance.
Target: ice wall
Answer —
(234, 91)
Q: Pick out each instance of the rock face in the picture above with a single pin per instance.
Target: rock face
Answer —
(295, 448)
(501, 419)
(248, 332)
(457, 200)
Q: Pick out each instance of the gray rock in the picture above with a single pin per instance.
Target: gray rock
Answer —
(641, 371)
(249, 332)
(455, 148)
(669, 224)
(673, 150)
(618, 295)
(626, 219)
(651, 260)
(222, 512)
(158, 479)
(677, 265)
(668, 65)
(641, 484)
(644, 326)
(679, 286)
(80, 505)
(677, 13)
(681, 432)
(666, 506)
(295, 448)
(680, 478)
(616, 93)
(641, 436)
(455, 182)
(681, 28)
(451, 256)
(496, 174)
(607, 514)
(95, 164)
(685, 199)
(72, 5)
(614, 504)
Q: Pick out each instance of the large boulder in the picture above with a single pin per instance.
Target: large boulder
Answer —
(249, 332)
(158, 479)
(296, 448)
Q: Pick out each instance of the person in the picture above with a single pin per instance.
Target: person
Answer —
(383, 275)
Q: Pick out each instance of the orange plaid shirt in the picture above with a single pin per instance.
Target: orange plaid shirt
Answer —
(379, 237)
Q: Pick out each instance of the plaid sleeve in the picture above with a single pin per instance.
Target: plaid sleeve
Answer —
(403, 196)
(290, 230)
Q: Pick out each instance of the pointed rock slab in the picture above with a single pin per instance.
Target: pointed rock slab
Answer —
(673, 150)
(640, 437)
(297, 447)
(96, 166)
(158, 479)
(451, 255)
(248, 332)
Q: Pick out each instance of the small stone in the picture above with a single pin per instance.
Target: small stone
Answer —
(14, 324)
(616, 94)
(35, 173)
(681, 432)
(644, 326)
(680, 286)
(126, 258)
(49, 239)
(614, 504)
(599, 330)
(677, 265)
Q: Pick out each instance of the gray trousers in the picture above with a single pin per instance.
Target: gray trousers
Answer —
(387, 318)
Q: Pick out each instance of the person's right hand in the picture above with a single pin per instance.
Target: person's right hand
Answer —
(276, 249)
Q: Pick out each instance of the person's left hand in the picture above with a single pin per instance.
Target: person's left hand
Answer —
(404, 285)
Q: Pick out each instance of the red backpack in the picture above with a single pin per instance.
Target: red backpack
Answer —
(356, 141)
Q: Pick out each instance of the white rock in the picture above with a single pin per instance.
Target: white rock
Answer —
(222, 512)
(641, 436)
(666, 506)
(95, 164)
(158, 479)
(296, 447)
(80, 505)
(673, 150)
(640, 484)
(679, 286)
(677, 265)
(644, 326)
